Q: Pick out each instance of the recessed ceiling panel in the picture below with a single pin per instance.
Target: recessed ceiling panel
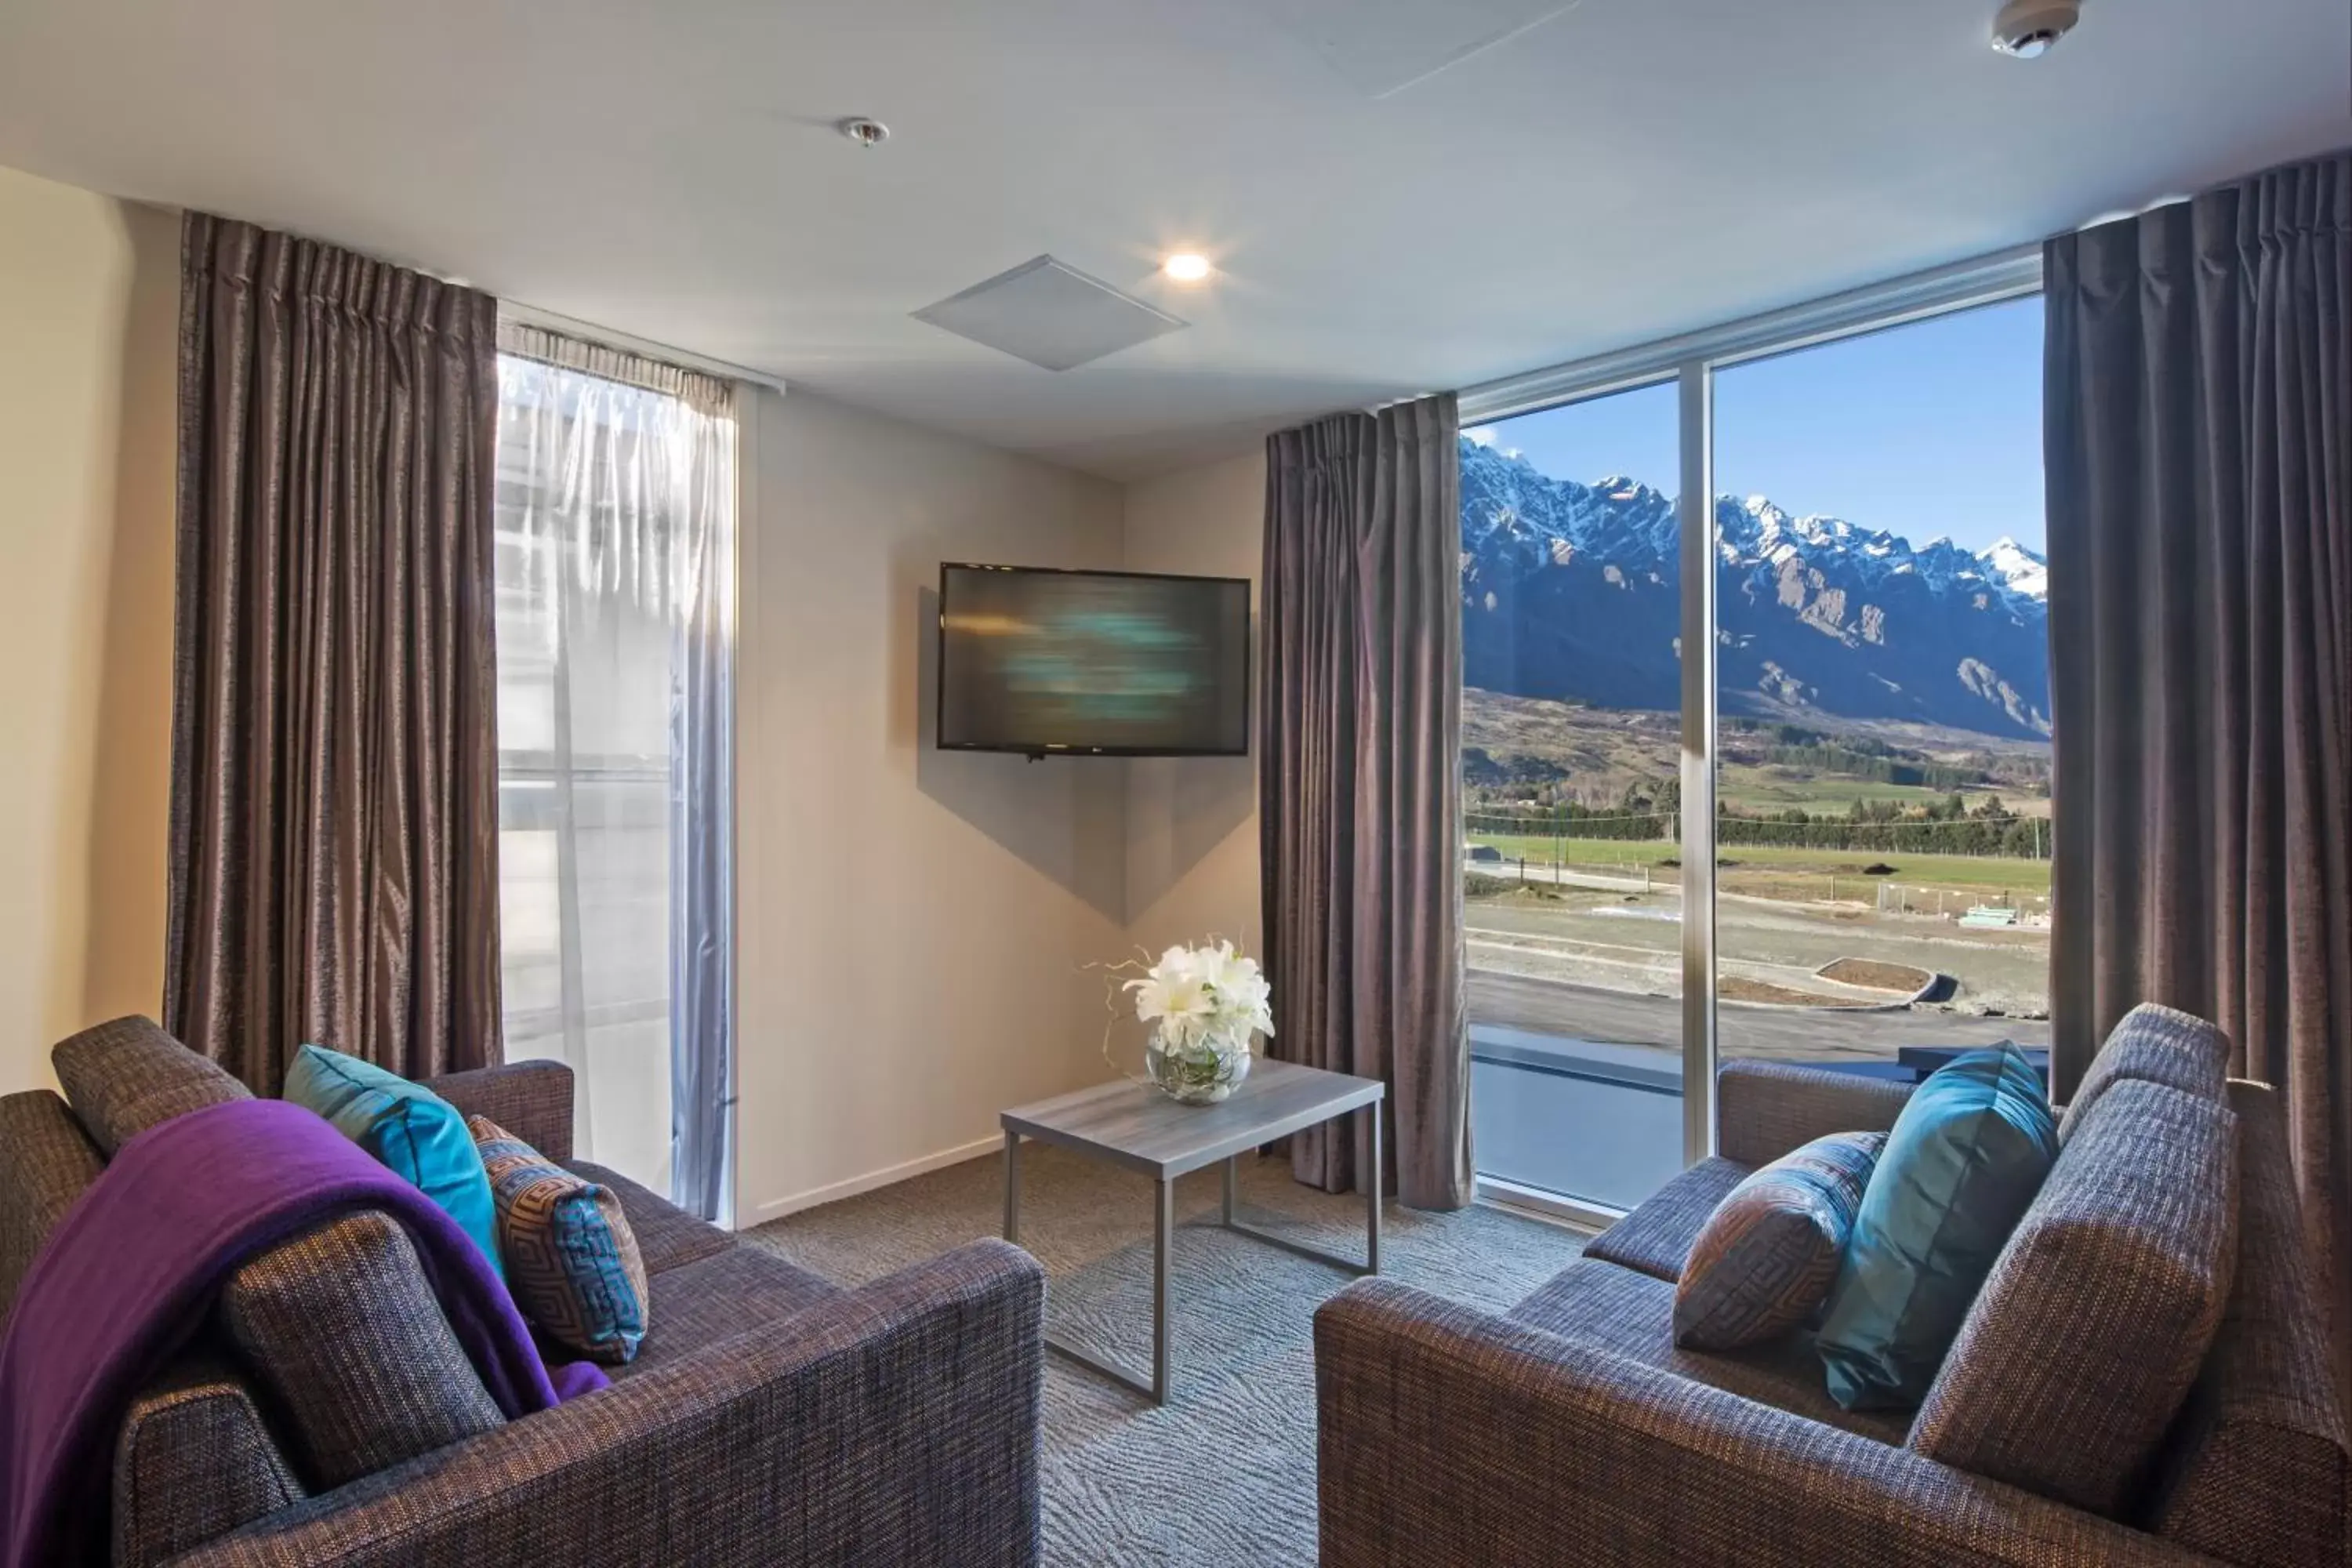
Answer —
(1386, 45)
(1051, 314)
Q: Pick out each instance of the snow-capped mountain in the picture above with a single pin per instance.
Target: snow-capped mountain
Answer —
(2021, 569)
(1571, 591)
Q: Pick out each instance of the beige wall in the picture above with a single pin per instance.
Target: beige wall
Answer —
(912, 923)
(915, 926)
(88, 309)
(1192, 823)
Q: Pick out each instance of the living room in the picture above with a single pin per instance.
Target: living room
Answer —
(520, 511)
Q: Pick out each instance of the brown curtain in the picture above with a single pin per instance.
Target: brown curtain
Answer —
(2199, 361)
(334, 790)
(1359, 797)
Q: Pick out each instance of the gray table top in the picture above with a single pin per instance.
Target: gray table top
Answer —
(1136, 1126)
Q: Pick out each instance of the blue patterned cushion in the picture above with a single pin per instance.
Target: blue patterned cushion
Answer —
(571, 1259)
(1765, 1260)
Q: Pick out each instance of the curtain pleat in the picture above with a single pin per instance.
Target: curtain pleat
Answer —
(334, 872)
(2199, 360)
(1359, 783)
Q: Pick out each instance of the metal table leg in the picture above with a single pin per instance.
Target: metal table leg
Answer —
(1371, 1264)
(1163, 1227)
(1013, 1186)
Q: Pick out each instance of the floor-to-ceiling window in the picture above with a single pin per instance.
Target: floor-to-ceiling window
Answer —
(614, 511)
(1882, 745)
(1865, 567)
(1571, 614)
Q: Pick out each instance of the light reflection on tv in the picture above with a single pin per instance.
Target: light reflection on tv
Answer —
(1044, 661)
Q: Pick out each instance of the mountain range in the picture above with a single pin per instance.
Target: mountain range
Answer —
(1573, 591)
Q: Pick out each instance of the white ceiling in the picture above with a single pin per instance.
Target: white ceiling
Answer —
(1386, 223)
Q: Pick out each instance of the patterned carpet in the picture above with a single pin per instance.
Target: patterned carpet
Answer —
(1225, 1473)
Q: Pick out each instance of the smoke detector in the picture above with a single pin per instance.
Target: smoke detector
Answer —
(2032, 29)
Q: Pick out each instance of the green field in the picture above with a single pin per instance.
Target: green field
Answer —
(1777, 789)
(1956, 871)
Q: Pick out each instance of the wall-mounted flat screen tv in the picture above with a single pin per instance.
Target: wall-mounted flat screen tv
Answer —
(1116, 664)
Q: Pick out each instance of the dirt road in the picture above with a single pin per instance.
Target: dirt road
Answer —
(1630, 941)
(1790, 1034)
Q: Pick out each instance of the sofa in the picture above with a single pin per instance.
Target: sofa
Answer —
(325, 1412)
(2144, 1378)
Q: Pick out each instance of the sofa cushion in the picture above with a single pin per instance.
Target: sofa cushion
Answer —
(46, 1160)
(667, 1235)
(2153, 1045)
(342, 1331)
(1766, 1258)
(1603, 1305)
(1656, 1238)
(739, 1291)
(2079, 1350)
(1965, 1158)
(195, 1460)
(572, 1260)
(2256, 1468)
(1766, 1108)
(123, 1076)
(405, 1127)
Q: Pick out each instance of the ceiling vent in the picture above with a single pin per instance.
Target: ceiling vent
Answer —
(1051, 314)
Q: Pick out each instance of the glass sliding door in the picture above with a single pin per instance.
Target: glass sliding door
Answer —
(1571, 735)
(1883, 749)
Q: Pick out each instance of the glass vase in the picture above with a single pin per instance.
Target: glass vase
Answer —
(1198, 1072)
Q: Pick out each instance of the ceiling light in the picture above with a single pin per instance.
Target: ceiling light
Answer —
(1185, 267)
(2032, 29)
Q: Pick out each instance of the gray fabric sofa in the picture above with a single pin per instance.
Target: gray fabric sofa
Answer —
(326, 1413)
(2145, 1379)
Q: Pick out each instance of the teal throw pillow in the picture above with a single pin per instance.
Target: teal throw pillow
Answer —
(407, 1128)
(1960, 1166)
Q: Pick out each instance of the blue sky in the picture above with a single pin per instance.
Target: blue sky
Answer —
(1928, 429)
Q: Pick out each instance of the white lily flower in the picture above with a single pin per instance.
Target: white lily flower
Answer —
(1206, 1006)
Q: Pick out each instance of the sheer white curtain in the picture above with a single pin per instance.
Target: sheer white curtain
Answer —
(615, 548)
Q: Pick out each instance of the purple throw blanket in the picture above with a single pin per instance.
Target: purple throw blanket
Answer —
(136, 1264)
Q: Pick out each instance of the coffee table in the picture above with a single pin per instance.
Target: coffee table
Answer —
(1136, 1126)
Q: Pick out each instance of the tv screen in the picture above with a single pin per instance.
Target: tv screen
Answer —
(1107, 663)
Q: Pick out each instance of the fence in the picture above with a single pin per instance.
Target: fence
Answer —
(2008, 838)
(1951, 903)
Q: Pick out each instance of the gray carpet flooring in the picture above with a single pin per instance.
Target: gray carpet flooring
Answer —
(1225, 1474)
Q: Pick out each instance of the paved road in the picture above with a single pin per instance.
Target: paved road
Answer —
(1621, 1017)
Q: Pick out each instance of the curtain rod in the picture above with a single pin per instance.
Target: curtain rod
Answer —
(588, 332)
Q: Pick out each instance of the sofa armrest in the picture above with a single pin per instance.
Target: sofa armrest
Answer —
(45, 1162)
(1766, 1108)
(194, 1460)
(897, 1425)
(532, 1100)
(1450, 1437)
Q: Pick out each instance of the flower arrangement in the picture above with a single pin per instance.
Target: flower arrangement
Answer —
(1206, 1006)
